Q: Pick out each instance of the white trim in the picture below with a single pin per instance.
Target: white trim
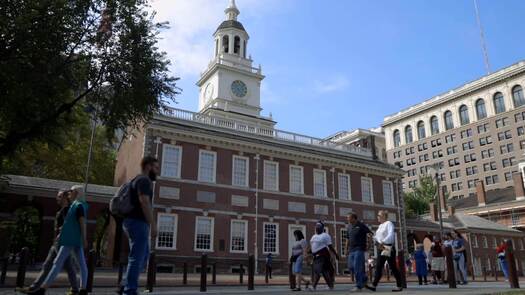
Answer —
(290, 179)
(245, 235)
(247, 176)
(339, 186)
(199, 177)
(175, 230)
(178, 172)
(371, 190)
(276, 238)
(324, 181)
(212, 230)
(391, 191)
(265, 184)
(343, 250)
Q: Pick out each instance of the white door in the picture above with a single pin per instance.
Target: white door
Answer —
(291, 237)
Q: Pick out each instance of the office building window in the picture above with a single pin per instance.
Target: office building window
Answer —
(517, 96)
(397, 138)
(481, 112)
(434, 125)
(408, 134)
(499, 103)
(463, 115)
(421, 130)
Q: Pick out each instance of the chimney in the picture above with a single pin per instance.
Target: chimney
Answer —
(451, 211)
(518, 186)
(373, 147)
(433, 212)
(480, 192)
(443, 199)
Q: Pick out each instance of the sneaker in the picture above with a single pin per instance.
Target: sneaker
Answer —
(26, 290)
(356, 289)
(398, 289)
(38, 291)
(72, 292)
(296, 289)
(371, 288)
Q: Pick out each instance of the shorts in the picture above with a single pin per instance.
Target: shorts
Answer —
(297, 266)
(437, 264)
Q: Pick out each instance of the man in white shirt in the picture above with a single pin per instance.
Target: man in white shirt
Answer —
(385, 237)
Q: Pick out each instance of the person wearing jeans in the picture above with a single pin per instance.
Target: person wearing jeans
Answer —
(138, 224)
(72, 241)
(357, 233)
(500, 250)
(458, 247)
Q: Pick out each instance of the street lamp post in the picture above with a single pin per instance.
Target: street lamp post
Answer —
(91, 111)
(435, 169)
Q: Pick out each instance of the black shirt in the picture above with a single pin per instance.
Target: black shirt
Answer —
(59, 219)
(140, 185)
(357, 236)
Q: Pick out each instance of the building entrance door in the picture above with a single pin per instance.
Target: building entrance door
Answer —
(291, 237)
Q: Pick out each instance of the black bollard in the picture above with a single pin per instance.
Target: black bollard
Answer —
(495, 272)
(214, 273)
(241, 274)
(251, 272)
(21, 273)
(5, 262)
(266, 274)
(204, 268)
(513, 274)
(185, 274)
(152, 271)
(451, 278)
(92, 260)
(402, 270)
(484, 273)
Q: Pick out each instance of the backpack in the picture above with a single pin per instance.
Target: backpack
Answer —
(120, 204)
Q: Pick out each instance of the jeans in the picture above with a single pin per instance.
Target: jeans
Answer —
(48, 264)
(393, 266)
(504, 267)
(356, 265)
(63, 254)
(138, 236)
(459, 265)
(297, 266)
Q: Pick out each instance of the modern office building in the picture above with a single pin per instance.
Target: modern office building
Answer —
(475, 132)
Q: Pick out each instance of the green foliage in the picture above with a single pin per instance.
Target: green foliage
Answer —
(417, 201)
(27, 229)
(60, 54)
(66, 159)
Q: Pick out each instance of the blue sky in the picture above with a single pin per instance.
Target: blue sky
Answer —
(339, 65)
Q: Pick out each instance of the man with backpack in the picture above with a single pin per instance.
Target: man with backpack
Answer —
(134, 204)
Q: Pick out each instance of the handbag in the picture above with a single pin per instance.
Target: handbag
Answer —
(457, 256)
(387, 251)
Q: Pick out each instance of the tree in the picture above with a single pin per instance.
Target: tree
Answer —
(417, 201)
(58, 54)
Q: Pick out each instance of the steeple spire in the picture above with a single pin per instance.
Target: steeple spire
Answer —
(231, 11)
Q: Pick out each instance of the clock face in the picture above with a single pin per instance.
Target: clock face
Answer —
(208, 92)
(239, 89)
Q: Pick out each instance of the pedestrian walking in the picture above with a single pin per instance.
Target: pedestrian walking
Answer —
(385, 238)
(268, 264)
(356, 247)
(72, 241)
(421, 264)
(299, 250)
(63, 202)
(138, 223)
(438, 261)
(321, 246)
(500, 250)
(458, 247)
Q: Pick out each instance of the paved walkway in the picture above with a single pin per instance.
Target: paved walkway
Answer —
(473, 288)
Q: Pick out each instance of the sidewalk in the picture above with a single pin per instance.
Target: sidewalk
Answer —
(470, 289)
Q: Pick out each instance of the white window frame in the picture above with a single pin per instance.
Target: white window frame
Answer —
(247, 176)
(475, 241)
(343, 239)
(339, 175)
(302, 179)
(175, 230)
(265, 181)
(162, 168)
(211, 234)
(484, 242)
(371, 189)
(276, 238)
(245, 236)
(214, 166)
(325, 193)
(391, 192)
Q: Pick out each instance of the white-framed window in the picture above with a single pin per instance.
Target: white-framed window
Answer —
(344, 192)
(344, 238)
(388, 192)
(240, 168)
(319, 183)
(270, 238)
(296, 179)
(366, 189)
(474, 241)
(271, 176)
(238, 236)
(167, 231)
(171, 160)
(494, 242)
(204, 233)
(207, 165)
(484, 242)
(489, 264)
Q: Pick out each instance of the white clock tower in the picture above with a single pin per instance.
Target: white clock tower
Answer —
(230, 87)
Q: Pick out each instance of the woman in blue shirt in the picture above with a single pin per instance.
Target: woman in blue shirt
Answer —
(458, 246)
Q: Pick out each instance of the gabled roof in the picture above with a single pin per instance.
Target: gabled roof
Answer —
(461, 220)
(493, 197)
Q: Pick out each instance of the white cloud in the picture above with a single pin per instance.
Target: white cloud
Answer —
(189, 42)
(332, 84)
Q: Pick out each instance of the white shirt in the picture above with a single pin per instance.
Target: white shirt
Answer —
(385, 234)
(319, 242)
